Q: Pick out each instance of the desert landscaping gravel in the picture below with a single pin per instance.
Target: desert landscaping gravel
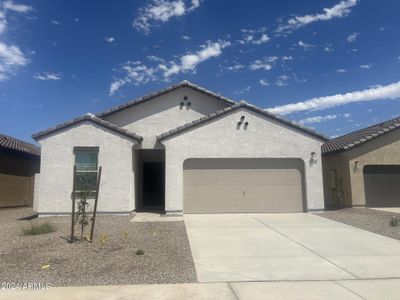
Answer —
(367, 219)
(109, 260)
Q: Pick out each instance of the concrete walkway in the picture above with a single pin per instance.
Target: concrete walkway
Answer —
(282, 247)
(387, 289)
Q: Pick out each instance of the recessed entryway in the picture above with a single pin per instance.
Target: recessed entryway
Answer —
(150, 179)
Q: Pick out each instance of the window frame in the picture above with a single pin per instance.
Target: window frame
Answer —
(93, 150)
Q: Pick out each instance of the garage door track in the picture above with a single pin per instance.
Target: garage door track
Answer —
(277, 247)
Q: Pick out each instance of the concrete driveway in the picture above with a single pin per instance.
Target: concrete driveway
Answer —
(279, 247)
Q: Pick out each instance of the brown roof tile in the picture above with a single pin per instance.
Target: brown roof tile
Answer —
(10, 143)
(359, 137)
(91, 118)
(152, 95)
(241, 104)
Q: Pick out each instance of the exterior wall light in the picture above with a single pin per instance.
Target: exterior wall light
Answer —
(313, 158)
(238, 125)
(181, 105)
(185, 97)
(189, 104)
(242, 119)
(246, 124)
(356, 166)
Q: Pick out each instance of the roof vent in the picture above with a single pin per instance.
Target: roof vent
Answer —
(243, 102)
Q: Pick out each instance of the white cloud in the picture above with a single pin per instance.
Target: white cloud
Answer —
(352, 37)
(48, 76)
(185, 37)
(137, 72)
(346, 115)
(282, 80)
(304, 45)
(7, 6)
(317, 119)
(264, 63)
(254, 36)
(243, 90)
(235, 67)
(328, 49)
(340, 10)
(391, 91)
(263, 82)
(160, 11)
(11, 58)
(76, 20)
(109, 39)
(286, 58)
(55, 22)
(20, 8)
(366, 67)
(341, 71)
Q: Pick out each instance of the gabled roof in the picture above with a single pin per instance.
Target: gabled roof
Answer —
(91, 118)
(359, 137)
(241, 104)
(10, 143)
(150, 96)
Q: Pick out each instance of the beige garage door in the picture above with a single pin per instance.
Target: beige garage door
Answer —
(243, 185)
(382, 185)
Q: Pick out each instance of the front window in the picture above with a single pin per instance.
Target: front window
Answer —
(86, 160)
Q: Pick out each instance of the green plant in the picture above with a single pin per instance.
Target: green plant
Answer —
(39, 228)
(139, 252)
(394, 221)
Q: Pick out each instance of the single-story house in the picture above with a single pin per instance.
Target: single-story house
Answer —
(184, 149)
(362, 168)
(19, 161)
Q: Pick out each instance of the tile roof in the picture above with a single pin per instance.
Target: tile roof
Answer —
(91, 118)
(359, 137)
(10, 143)
(241, 104)
(150, 96)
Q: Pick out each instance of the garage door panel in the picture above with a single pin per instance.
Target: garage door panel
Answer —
(382, 185)
(244, 189)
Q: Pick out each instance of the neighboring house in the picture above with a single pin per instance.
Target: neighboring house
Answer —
(19, 161)
(184, 149)
(362, 168)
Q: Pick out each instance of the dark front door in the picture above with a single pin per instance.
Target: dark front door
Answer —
(153, 184)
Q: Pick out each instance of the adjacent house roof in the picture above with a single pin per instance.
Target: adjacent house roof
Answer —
(184, 83)
(359, 137)
(91, 118)
(241, 104)
(10, 143)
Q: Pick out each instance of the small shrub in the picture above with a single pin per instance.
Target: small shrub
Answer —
(139, 252)
(39, 228)
(394, 221)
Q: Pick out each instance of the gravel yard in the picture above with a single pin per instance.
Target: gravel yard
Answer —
(367, 219)
(167, 257)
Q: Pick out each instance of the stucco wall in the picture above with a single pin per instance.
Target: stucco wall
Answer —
(384, 150)
(162, 113)
(115, 156)
(221, 138)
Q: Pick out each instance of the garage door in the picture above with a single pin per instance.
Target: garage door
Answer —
(243, 185)
(382, 185)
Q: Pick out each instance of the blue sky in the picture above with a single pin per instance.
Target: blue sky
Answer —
(338, 61)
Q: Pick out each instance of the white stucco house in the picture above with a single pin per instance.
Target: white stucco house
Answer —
(183, 149)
